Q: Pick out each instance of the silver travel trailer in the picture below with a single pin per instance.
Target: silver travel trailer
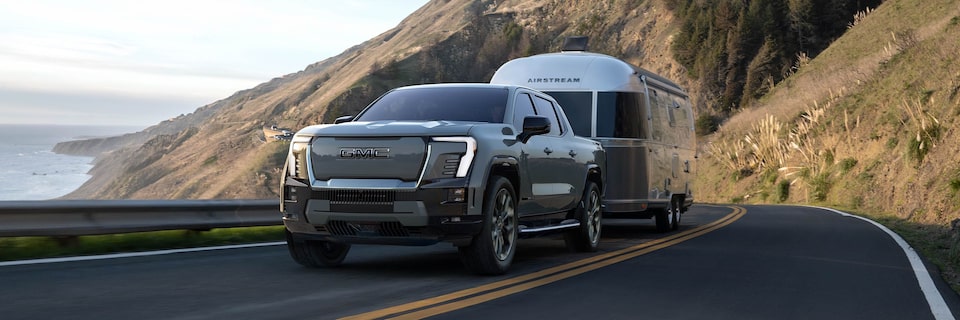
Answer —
(644, 121)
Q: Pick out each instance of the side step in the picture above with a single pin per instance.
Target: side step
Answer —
(566, 224)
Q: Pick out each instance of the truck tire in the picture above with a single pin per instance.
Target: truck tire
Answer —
(587, 236)
(491, 252)
(317, 254)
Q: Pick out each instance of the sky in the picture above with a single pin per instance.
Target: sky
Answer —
(137, 63)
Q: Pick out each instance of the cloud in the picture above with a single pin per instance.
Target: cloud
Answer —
(21, 106)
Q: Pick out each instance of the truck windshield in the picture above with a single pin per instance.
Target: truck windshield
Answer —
(476, 104)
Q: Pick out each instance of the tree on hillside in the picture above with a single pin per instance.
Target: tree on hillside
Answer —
(738, 48)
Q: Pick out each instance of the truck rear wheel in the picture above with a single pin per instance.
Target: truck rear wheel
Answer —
(587, 236)
(316, 254)
(491, 252)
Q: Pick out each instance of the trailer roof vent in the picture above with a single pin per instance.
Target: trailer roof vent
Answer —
(575, 43)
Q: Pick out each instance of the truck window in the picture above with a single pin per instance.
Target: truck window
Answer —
(522, 108)
(439, 103)
(578, 106)
(619, 115)
(545, 108)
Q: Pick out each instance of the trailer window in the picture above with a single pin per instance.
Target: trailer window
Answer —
(619, 115)
(578, 106)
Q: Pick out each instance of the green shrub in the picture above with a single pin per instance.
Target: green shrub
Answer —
(820, 186)
(828, 157)
(783, 191)
(892, 143)
(847, 164)
(769, 176)
(706, 124)
(955, 185)
(512, 31)
(856, 202)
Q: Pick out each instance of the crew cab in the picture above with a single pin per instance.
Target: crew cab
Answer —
(476, 165)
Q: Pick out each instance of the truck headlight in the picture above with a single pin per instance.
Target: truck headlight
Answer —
(467, 159)
(298, 158)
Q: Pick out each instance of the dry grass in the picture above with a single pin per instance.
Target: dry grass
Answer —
(857, 18)
(792, 149)
(926, 129)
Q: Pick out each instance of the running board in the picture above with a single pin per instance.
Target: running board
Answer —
(566, 224)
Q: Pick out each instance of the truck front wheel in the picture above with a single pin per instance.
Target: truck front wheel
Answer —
(316, 254)
(491, 252)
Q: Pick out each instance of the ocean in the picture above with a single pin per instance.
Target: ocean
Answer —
(29, 170)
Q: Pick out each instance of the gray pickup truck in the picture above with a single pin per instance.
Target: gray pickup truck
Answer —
(475, 165)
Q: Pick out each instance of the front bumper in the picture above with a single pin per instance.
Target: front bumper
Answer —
(420, 217)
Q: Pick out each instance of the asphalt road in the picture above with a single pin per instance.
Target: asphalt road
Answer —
(724, 263)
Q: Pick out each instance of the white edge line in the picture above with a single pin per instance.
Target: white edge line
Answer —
(135, 254)
(937, 305)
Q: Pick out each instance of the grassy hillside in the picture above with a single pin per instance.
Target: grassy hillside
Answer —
(870, 125)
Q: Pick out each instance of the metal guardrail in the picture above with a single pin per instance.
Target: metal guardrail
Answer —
(64, 218)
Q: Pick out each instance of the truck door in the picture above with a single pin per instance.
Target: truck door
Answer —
(564, 177)
(533, 160)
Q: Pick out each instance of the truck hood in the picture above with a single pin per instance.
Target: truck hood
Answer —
(390, 128)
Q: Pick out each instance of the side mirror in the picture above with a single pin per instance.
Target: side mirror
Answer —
(343, 119)
(533, 125)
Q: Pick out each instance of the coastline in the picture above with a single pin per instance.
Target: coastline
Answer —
(47, 162)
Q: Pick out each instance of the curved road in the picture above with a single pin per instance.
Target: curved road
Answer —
(754, 262)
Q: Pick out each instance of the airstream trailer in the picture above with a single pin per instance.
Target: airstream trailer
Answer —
(644, 121)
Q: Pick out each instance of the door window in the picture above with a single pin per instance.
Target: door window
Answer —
(546, 108)
(522, 108)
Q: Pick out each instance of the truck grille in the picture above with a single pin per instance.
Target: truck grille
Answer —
(373, 197)
(358, 196)
(400, 158)
(363, 201)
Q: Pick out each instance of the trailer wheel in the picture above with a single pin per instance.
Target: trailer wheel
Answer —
(676, 209)
(587, 236)
(663, 220)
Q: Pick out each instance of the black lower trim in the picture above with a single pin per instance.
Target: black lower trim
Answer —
(439, 229)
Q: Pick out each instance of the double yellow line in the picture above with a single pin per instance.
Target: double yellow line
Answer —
(477, 295)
